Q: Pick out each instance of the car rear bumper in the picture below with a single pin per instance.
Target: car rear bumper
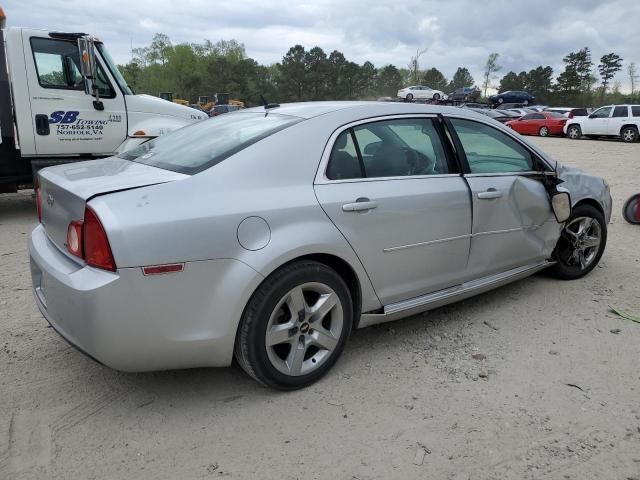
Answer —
(132, 322)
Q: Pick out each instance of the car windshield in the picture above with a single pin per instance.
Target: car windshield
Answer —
(201, 145)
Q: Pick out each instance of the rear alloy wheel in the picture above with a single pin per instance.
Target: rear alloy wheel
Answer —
(295, 326)
(629, 134)
(631, 210)
(574, 132)
(581, 243)
(409, 97)
(544, 132)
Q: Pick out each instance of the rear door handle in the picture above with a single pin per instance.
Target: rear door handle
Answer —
(489, 194)
(360, 205)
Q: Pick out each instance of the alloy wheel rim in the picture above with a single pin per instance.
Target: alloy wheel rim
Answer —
(573, 132)
(544, 132)
(628, 135)
(304, 329)
(582, 237)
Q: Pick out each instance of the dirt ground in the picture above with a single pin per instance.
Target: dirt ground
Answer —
(554, 393)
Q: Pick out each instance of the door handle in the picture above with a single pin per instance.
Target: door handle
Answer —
(42, 124)
(360, 205)
(489, 194)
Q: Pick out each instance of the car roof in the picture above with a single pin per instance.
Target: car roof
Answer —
(356, 108)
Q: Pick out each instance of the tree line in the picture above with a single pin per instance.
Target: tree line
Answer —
(190, 70)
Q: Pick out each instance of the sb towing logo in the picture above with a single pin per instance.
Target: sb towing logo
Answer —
(69, 126)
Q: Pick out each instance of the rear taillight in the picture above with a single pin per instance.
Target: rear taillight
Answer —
(39, 203)
(88, 240)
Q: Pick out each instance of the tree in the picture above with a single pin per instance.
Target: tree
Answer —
(490, 69)
(293, 73)
(414, 65)
(159, 48)
(389, 80)
(367, 78)
(317, 67)
(513, 81)
(579, 69)
(633, 76)
(434, 79)
(610, 64)
(462, 78)
(539, 83)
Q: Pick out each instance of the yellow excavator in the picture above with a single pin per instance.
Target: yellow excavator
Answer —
(168, 96)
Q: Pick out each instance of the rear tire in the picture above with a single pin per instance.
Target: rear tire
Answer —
(581, 243)
(409, 97)
(574, 132)
(436, 96)
(544, 132)
(629, 134)
(295, 326)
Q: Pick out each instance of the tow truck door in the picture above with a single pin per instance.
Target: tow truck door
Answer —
(65, 121)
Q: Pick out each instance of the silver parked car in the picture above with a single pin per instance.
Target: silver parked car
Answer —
(272, 233)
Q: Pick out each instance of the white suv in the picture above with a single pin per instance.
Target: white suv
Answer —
(611, 121)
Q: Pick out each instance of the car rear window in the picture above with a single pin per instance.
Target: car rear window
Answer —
(579, 112)
(556, 115)
(204, 144)
(635, 110)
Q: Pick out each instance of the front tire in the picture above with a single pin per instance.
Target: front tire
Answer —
(409, 97)
(581, 243)
(500, 100)
(574, 132)
(436, 96)
(544, 132)
(629, 134)
(295, 326)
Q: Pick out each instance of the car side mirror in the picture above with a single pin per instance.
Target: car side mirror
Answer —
(561, 204)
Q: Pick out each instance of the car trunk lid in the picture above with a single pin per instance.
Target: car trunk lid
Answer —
(65, 189)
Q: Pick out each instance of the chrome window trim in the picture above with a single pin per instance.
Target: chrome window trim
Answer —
(321, 174)
(508, 174)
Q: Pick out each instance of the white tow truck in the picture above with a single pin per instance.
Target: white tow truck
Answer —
(62, 99)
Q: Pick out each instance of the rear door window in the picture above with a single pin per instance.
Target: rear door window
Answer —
(635, 110)
(389, 148)
(621, 111)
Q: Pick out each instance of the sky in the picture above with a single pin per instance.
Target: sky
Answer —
(454, 32)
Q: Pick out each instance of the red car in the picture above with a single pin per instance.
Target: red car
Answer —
(539, 123)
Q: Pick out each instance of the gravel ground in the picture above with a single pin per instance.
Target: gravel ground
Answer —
(528, 381)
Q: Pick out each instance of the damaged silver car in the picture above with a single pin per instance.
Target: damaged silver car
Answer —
(270, 234)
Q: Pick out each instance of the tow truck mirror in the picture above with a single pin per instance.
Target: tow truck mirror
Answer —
(88, 69)
(68, 70)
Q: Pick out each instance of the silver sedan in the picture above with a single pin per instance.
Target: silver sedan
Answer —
(270, 234)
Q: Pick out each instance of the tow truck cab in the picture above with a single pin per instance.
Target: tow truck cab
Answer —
(63, 99)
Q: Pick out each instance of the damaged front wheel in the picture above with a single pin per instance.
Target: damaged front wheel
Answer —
(581, 243)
